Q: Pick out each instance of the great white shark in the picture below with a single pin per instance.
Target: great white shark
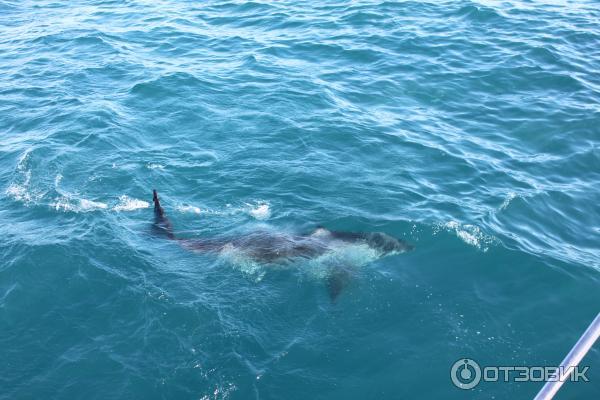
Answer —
(269, 247)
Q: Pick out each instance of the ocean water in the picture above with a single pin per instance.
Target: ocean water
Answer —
(470, 129)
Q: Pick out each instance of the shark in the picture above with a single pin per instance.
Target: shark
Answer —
(269, 247)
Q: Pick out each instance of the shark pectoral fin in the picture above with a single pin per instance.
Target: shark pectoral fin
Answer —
(337, 280)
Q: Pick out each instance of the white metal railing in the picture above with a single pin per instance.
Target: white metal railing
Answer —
(583, 345)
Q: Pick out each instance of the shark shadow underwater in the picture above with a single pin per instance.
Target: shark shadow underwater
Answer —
(268, 247)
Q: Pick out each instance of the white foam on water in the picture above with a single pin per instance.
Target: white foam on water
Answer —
(320, 233)
(221, 392)
(469, 234)
(62, 204)
(189, 209)
(20, 191)
(92, 205)
(155, 166)
(127, 203)
(240, 260)
(57, 180)
(259, 211)
(71, 202)
(347, 255)
(67, 203)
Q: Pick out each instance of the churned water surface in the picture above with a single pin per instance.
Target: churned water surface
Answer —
(470, 129)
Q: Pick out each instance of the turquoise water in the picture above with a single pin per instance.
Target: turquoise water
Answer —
(469, 129)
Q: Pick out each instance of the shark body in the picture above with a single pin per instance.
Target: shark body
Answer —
(268, 247)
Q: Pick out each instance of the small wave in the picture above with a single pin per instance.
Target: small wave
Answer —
(509, 197)
(478, 13)
(23, 160)
(19, 189)
(166, 84)
(127, 203)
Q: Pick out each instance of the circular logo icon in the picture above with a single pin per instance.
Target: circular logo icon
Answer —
(465, 373)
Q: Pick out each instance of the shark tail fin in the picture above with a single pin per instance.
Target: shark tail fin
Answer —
(162, 225)
(157, 208)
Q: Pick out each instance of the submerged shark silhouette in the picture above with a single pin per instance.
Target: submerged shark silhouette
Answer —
(267, 247)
